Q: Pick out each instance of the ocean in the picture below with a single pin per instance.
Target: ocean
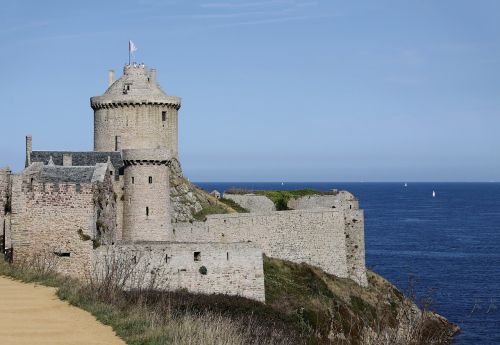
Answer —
(448, 246)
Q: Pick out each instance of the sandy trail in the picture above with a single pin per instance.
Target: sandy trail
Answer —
(32, 314)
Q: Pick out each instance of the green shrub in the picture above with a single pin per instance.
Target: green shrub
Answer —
(234, 205)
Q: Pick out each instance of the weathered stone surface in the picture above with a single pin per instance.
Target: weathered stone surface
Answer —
(326, 238)
(252, 202)
(231, 268)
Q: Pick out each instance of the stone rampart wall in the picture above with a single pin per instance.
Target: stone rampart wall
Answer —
(49, 218)
(316, 237)
(341, 201)
(252, 202)
(231, 268)
(4, 205)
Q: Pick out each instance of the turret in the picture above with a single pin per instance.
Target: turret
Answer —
(135, 113)
(146, 204)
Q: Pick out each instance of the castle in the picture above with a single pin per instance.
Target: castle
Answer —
(83, 208)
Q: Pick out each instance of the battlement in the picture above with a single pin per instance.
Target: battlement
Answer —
(161, 156)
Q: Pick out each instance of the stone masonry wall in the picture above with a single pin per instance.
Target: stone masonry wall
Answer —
(355, 246)
(252, 202)
(5, 205)
(232, 268)
(316, 237)
(138, 127)
(341, 201)
(48, 218)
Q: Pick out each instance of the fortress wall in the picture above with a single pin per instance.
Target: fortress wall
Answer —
(355, 246)
(341, 201)
(232, 268)
(46, 218)
(5, 204)
(313, 236)
(137, 126)
(252, 202)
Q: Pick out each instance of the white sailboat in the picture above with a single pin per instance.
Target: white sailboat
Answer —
(406, 184)
(433, 194)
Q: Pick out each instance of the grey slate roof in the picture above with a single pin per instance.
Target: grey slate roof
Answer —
(83, 158)
(59, 174)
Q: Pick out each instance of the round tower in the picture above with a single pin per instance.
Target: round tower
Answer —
(146, 205)
(135, 113)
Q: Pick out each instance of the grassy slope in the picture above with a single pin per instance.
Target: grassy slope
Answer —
(304, 306)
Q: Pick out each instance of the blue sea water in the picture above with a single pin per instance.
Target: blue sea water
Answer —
(449, 244)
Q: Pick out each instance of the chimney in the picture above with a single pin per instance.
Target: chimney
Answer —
(111, 77)
(152, 76)
(67, 159)
(29, 149)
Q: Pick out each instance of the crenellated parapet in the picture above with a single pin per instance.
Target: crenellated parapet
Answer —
(105, 102)
(147, 157)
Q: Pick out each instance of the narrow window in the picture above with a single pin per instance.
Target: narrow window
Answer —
(128, 87)
(150, 179)
(166, 258)
(197, 256)
(111, 172)
(164, 116)
(117, 142)
(147, 211)
(227, 255)
(133, 179)
(63, 254)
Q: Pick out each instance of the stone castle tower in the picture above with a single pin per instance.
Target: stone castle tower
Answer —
(135, 113)
(136, 117)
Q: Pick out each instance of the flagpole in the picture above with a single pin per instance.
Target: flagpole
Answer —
(129, 52)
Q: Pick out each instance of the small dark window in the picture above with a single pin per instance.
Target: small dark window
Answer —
(197, 256)
(227, 255)
(63, 254)
(111, 172)
(350, 206)
(128, 87)
(150, 179)
(133, 179)
(147, 211)
(166, 258)
(164, 116)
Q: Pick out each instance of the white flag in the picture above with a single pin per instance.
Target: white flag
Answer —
(131, 47)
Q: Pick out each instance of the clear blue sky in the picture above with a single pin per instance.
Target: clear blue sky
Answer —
(272, 90)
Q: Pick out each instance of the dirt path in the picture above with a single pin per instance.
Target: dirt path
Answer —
(32, 314)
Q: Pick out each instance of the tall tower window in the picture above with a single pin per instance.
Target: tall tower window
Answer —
(147, 211)
(164, 116)
(133, 180)
(150, 179)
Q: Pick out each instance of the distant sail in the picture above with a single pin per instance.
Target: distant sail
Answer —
(406, 184)
(433, 194)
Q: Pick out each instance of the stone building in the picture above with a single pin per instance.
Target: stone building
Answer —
(127, 199)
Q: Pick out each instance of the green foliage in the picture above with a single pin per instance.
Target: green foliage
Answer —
(101, 226)
(203, 270)
(209, 209)
(281, 197)
(83, 237)
(234, 205)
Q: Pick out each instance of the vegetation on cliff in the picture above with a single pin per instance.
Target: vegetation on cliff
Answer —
(280, 198)
(304, 306)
